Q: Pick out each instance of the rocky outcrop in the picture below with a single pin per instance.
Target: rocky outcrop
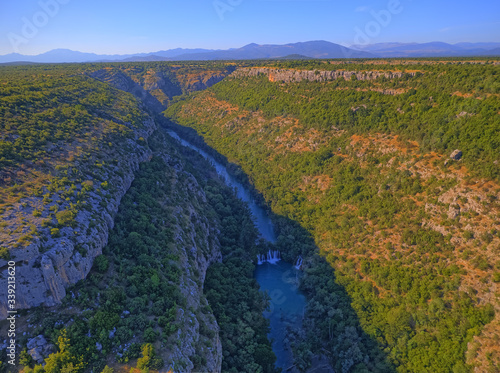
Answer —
(38, 348)
(158, 86)
(162, 81)
(47, 266)
(53, 261)
(43, 277)
(198, 247)
(120, 80)
(456, 155)
(200, 82)
(292, 75)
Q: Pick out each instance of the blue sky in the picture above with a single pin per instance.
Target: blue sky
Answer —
(113, 26)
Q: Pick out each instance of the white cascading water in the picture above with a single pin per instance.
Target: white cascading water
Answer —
(271, 257)
(298, 264)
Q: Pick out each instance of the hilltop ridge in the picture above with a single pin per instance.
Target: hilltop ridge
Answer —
(360, 154)
(310, 49)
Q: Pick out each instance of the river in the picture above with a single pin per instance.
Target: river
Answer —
(279, 279)
(260, 216)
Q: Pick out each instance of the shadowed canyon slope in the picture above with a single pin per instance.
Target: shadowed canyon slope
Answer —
(59, 174)
(359, 154)
(390, 168)
(112, 227)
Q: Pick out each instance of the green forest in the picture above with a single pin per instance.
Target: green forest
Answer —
(63, 134)
(400, 240)
(375, 151)
(133, 291)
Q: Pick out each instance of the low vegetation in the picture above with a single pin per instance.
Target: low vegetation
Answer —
(411, 234)
(400, 242)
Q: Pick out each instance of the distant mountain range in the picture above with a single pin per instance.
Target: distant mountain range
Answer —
(434, 49)
(310, 49)
(67, 55)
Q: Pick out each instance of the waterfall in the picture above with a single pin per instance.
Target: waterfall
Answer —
(272, 257)
(298, 263)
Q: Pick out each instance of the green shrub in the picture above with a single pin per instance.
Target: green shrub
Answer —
(149, 358)
(66, 218)
(4, 253)
(25, 359)
(496, 277)
(481, 263)
(88, 185)
(468, 235)
(150, 335)
(101, 263)
(487, 237)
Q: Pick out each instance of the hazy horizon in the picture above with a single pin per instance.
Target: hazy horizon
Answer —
(222, 49)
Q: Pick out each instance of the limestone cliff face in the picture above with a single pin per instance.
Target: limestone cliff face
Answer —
(47, 266)
(291, 75)
(156, 87)
(122, 81)
(198, 247)
(58, 258)
(200, 81)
